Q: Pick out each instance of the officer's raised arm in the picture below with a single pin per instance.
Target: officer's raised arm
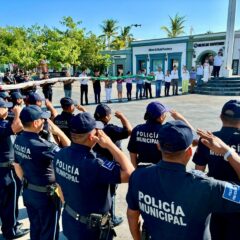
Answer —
(124, 120)
(16, 124)
(219, 147)
(125, 164)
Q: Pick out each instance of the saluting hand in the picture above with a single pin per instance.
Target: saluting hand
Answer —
(119, 115)
(16, 110)
(212, 142)
(54, 129)
(103, 140)
(81, 108)
(176, 115)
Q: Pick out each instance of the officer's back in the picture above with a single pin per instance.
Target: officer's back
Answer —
(174, 203)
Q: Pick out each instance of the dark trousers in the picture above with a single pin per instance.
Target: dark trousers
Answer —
(8, 202)
(48, 94)
(216, 70)
(167, 88)
(129, 91)
(43, 213)
(139, 90)
(97, 92)
(148, 89)
(174, 86)
(84, 91)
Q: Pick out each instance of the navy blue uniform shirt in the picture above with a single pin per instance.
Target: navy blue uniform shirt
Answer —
(5, 151)
(5, 141)
(63, 122)
(35, 156)
(85, 179)
(218, 167)
(116, 134)
(144, 140)
(174, 203)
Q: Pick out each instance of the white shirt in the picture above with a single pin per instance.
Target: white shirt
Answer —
(200, 70)
(83, 81)
(218, 60)
(174, 74)
(168, 78)
(159, 75)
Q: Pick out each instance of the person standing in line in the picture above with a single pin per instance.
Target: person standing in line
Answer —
(67, 85)
(206, 71)
(97, 86)
(47, 88)
(84, 87)
(192, 79)
(159, 78)
(223, 226)
(119, 85)
(218, 61)
(174, 81)
(139, 85)
(168, 79)
(148, 86)
(199, 75)
(108, 89)
(129, 86)
(33, 165)
(210, 61)
(185, 80)
(10, 185)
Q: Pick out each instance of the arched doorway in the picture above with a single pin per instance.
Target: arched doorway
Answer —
(205, 54)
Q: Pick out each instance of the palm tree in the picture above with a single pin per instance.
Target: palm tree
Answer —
(126, 36)
(176, 27)
(109, 29)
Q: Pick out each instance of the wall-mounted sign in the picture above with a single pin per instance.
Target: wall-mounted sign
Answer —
(159, 49)
(195, 45)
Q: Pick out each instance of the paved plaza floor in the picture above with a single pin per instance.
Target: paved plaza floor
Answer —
(202, 111)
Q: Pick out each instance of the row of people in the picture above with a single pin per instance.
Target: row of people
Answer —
(171, 201)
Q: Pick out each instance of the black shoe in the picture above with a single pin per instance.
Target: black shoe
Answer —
(117, 221)
(19, 233)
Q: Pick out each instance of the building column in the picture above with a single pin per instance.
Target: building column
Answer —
(228, 54)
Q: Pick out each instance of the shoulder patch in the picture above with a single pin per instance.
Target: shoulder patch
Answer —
(198, 173)
(232, 193)
(109, 165)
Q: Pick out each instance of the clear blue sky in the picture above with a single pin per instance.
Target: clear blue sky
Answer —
(202, 15)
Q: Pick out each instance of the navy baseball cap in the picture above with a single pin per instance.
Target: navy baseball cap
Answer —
(155, 110)
(32, 113)
(4, 94)
(231, 109)
(175, 136)
(4, 104)
(34, 97)
(84, 123)
(16, 95)
(101, 111)
(66, 102)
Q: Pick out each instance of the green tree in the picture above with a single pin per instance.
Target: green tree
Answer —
(126, 36)
(176, 26)
(109, 29)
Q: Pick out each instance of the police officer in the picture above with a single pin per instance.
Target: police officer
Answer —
(174, 203)
(17, 98)
(84, 180)
(144, 138)
(33, 157)
(116, 134)
(4, 95)
(63, 120)
(223, 226)
(8, 186)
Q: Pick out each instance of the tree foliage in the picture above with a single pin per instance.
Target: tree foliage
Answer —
(68, 46)
(176, 26)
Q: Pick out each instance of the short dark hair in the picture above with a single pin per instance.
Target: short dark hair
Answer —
(27, 124)
(229, 120)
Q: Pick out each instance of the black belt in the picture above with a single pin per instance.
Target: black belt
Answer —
(94, 220)
(75, 215)
(5, 164)
(37, 188)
